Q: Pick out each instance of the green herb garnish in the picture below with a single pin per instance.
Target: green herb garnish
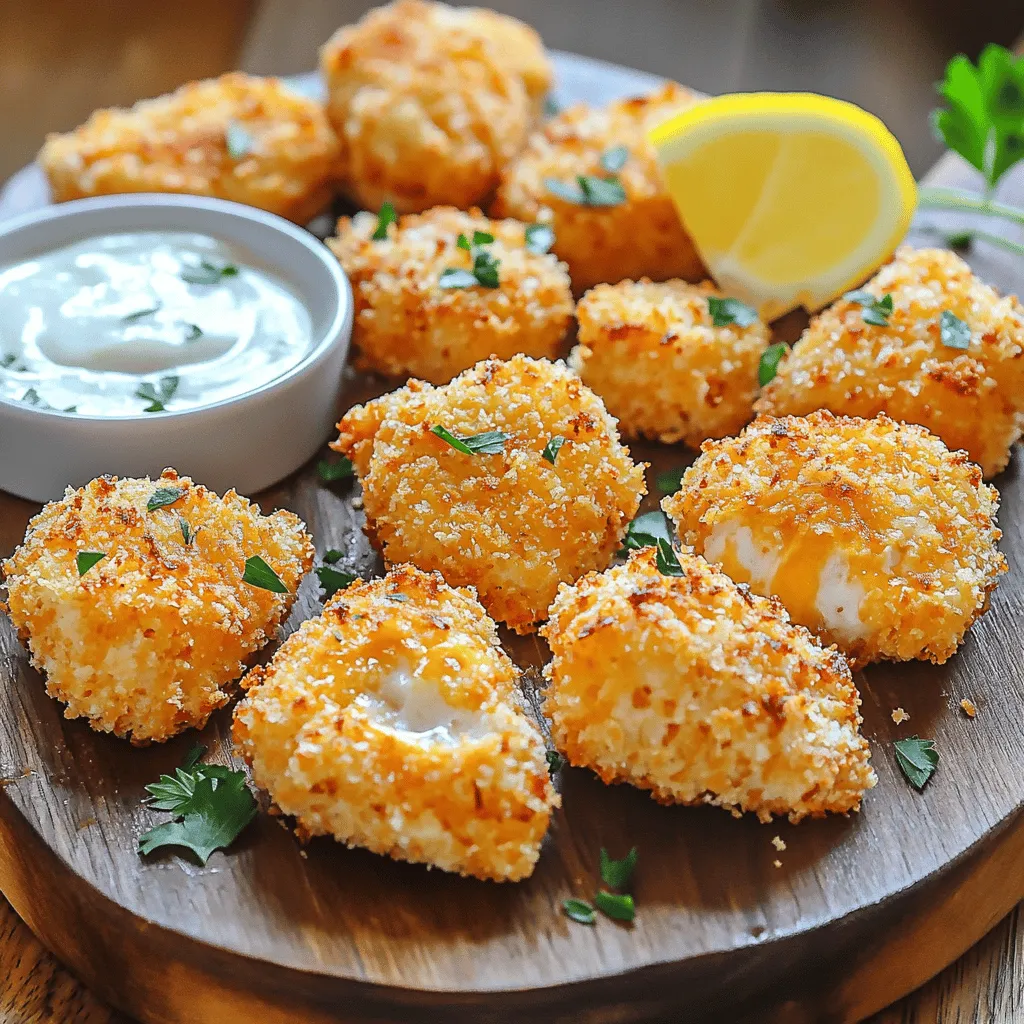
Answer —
(491, 442)
(8, 360)
(588, 190)
(617, 874)
(130, 318)
(164, 496)
(159, 394)
(876, 311)
(618, 906)
(385, 218)
(579, 910)
(333, 580)
(206, 272)
(917, 759)
(238, 140)
(485, 266)
(730, 311)
(32, 397)
(192, 331)
(453, 277)
(614, 159)
(331, 472)
(187, 533)
(539, 238)
(85, 560)
(645, 531)
(332, 555)
(768, 364)
(555, 761)
(551, 106)
(666, 560)
(953, 331)
(670, 481)
(959, 239)
(552, 448)
(259, 574)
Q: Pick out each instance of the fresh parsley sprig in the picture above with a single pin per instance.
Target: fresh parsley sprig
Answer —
(485, 266)
(385, 218)
(158, 394)
(876, 311)
(333, 580)
(666, 559)
(917, 759)
(725, 311)
(85, 560)
(490, 442)
(259, 574)
(768, 364)
(645, 531)
(164, 496)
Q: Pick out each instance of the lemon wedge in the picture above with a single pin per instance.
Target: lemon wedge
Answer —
(790, 198)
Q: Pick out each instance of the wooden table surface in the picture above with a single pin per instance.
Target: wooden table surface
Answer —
(986, 985)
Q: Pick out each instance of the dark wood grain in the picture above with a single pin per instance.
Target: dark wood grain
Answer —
(862, 909)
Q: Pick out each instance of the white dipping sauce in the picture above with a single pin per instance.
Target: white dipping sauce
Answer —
(180, 317)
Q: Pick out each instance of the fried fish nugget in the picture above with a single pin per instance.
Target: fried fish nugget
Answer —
(694, 688)
(392, 722)
(426, 106)
(872, 533)
(407, 324)
(653, 354)
(971, 397)
(146, 641)
(507, 520)
(640, 237)
(250, 140)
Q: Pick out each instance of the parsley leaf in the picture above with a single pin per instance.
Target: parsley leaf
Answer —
(187, 533)
(332, 555)
(726, 311)
(555, 761)
(617, 874)
(385, 218)
(330, 472)
(85, 560)
(159, 394)
(666, 560)
(876, 310)
(452, 277)
(614, 159)
(491, 442)
(130, 318)
(645, 531)
(485, 266)
(206, 272)
(194, 756)
(8, 360)
(670, 481)
(539, 238)
(259, 574)
(164, 496)
(953, 331)
(551, 106)
(618, 906)
(588, 190)
(917, 759)
(192, 331)
(579, 910)
(768, 364)
(333, 580)
(959, 239)
(552, 448)
(238, 140)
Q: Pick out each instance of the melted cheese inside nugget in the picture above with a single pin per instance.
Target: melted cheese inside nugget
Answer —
(392, 722)
(250, 140)
(694, 688)
(872, 533)
(409, 322)
(652, 352)
(518, 514)
(131, 597)
(950, 357)
(603, 236)
(428, 106)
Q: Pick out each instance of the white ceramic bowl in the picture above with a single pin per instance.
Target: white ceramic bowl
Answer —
(248, 442)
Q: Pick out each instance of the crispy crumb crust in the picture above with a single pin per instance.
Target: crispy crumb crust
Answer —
(973, 399)
(406, 325)
(512, 524)
(914, 521)
(478, 806)
(662, 368)
(642, 237)
(177, 143)
(149, 641)
(703, 693)
(518, 46)
(428, 108)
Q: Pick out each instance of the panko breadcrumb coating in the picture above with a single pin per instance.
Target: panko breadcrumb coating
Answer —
(642, 237)
(872, 533)
(512, 524)
(653, 354)
(694, 688)
(406, 324)
(250, 140)
(392, 722)
(973, 399)
(148, 641)
(428, 108)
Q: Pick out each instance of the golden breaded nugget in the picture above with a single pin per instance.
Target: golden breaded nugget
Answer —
(250, 140)
(147, 640)
(694, 688)
(506, 520)
(653, 354)
(392, 722)
(426, 106)
(973, 398)
(872, 533)
(408, 324)
(518, 46)
(641, 237)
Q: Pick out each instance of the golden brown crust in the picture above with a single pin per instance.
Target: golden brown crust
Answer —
(665, 372)
(149, 640)
(406, 324)
(973, 399)
(327, 733)
(513, 524)
(178, 143)
(698, 690)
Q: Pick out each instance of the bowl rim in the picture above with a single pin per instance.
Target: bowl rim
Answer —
(334, 333)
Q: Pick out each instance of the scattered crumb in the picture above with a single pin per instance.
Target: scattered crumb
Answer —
(777, 863)
(779, 843)
(357, 501)
(303, 855)
(968, 707)
(899, 716)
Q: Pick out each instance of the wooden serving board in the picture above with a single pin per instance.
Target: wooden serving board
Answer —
(861, 910)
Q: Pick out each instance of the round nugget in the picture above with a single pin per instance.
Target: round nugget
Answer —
(665, 372)
(640, 237)
(694, 688)
(427, 109)
(250, 140)
(507, 520)
(147, 640)
(392, 722)
(872, 533)
(407, 324)
(972, 397)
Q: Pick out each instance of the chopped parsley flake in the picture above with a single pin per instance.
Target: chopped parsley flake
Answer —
(953, 331)
(876, 310)
(579, 910)
(588, 190)
(618, 906)
(614, 159)
(726, 311)
(617, 874)
(130, 318)
(539, 238)
(8, 360)
(333, 580)
(385, 218)
(555, 761)
(85, 560)
(552, 448)
(332, 555)
(768, 365)
(187, 533)
(917, 759)
(192, 331)
(491, 442)
(238, 140)
(164, 496)
(205, 272)
(666, 560)
(645, 531)
(259, 574)
(330, 472)
(670, 481)
(159, 394)
(485, 266)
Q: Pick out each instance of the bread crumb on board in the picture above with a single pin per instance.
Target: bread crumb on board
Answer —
(779, 843)
(777, 863)
(899, 716)
(968, 708)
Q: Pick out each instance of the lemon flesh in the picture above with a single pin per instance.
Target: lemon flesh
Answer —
(790, 198)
